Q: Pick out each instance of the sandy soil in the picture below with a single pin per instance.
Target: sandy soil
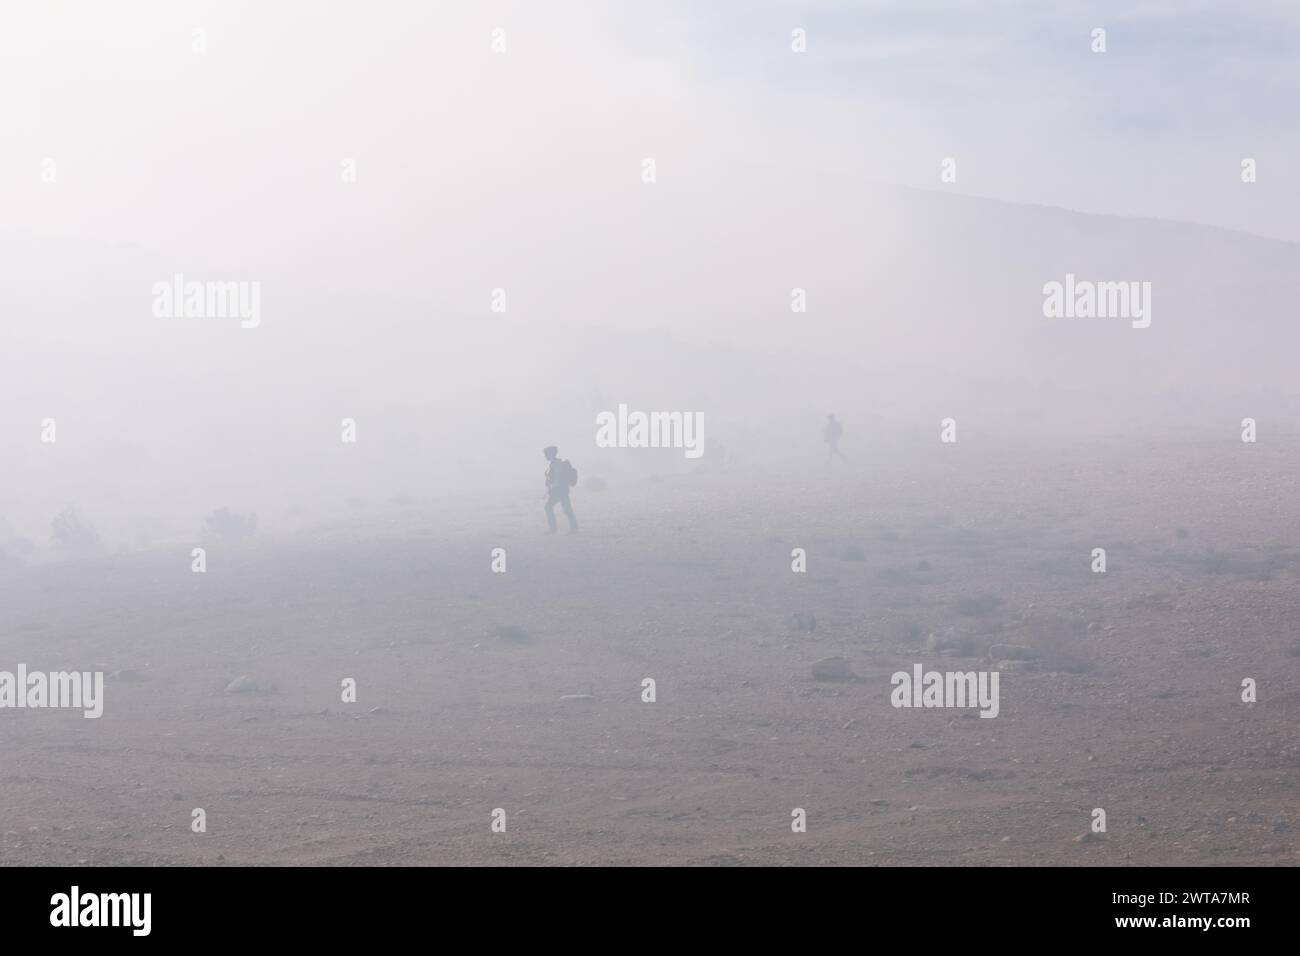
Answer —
(1133, 704)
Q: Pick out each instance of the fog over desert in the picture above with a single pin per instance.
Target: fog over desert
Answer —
(911, 386)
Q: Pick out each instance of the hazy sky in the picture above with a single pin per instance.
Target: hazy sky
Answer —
(522, 170)
(474, 161)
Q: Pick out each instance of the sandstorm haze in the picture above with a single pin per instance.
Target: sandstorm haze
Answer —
(523, 171)
(1048, 286)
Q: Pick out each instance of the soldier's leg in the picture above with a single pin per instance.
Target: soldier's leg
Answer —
(550, 511)
(568, 511)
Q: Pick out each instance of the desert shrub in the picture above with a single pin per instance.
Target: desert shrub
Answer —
(73, 533)
(979, 605)
(230, 525)
(895, 575)
(18, 547)
(803, 622)
(513, 633)
(904, 629)
(13, 547)
(962, 644)
(1061, 643)
(1247, 566)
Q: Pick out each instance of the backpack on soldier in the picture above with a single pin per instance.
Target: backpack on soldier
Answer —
(570, 474)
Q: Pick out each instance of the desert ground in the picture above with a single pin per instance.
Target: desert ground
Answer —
(523, 690)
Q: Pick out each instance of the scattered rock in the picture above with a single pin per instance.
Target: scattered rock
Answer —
(1088, 837)
(1014, 666)
(1012, 652)
(126, 674)
(979, 605)
(954, 641)
(833, 668)
(804, 622)
(578, 697)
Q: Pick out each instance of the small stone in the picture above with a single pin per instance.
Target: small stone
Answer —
(242, 684)
(833, 668)
(1014, 666)
(1012, 652)
(514, 634)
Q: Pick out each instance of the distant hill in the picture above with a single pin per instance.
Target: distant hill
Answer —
(921, 305)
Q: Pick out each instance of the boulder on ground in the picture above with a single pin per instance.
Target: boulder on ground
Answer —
(1012, 652)
(833, 668)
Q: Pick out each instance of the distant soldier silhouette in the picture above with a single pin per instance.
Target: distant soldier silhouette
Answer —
(560, 477)
(831, 435)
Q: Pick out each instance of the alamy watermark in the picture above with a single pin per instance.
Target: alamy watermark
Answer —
(55, 689)
(946, 689)
(75, 908)
(179, 299)
(1083, 299)
(626, 429)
